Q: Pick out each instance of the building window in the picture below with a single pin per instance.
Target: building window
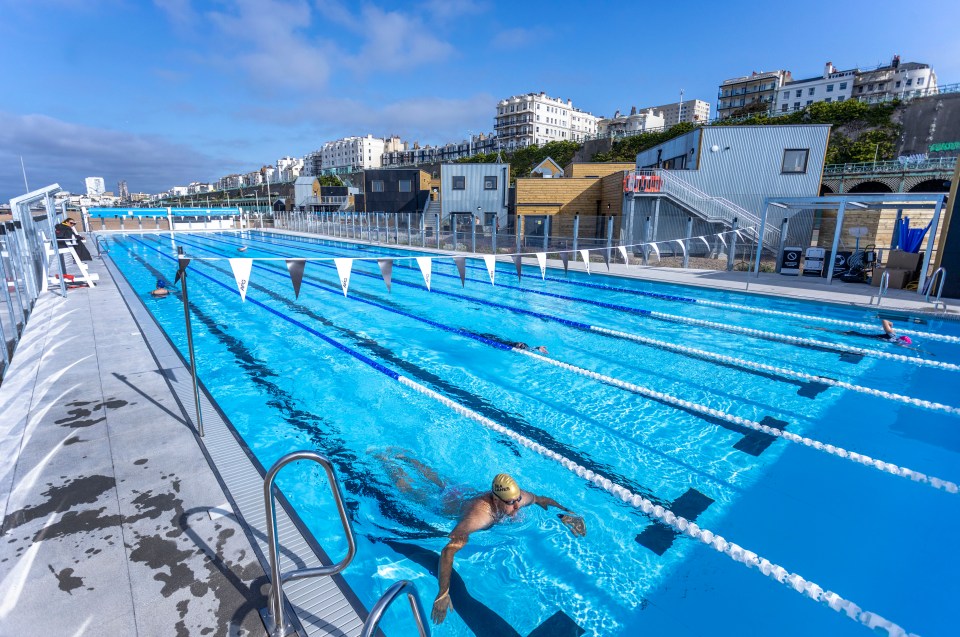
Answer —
(799, 92)
(843, 85)
(459, 182)
(795, 160)
(898, 84)
(839, 98)
(829, 99)
(811, 90)
(783, 109)
(490, 182)
(809, 102)
(376, 185)
(919, 81)
(909, 81)
(829, 88)
(406, 185)
(859, 89)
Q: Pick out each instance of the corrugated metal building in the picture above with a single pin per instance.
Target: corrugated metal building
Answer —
(468, 191)
(740, 164)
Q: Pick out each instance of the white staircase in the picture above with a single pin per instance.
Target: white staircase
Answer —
(658, 182)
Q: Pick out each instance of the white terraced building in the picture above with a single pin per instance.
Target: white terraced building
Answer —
(347, 155)
(537, 118)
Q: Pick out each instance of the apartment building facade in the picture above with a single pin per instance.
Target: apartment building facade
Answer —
(831, 86)
(692, 111)
(634, 123)
(738, 92)
(536, 118)
(895, 81)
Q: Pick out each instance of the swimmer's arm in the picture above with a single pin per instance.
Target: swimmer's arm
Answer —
(474, 520)
(572, 521)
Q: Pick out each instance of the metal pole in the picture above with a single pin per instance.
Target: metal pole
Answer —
(576, 234)
(423, 230)
(895, 237)
(546, 233)
(647, 229)
(833, 248)
(51, 220)
(437, 215)
(926, 254)
(733, 245)
(409, 231)
(493, 235)
(186, 319)
(686, 253)
(519, 226)
(609, 236)
(781, 245)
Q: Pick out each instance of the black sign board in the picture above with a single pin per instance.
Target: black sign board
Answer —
(790, 260)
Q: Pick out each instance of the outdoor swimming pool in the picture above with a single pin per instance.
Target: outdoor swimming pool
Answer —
(667, 407)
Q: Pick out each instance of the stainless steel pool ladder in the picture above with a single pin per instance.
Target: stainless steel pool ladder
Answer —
(273, 617)
(942, 271)
(884, 284)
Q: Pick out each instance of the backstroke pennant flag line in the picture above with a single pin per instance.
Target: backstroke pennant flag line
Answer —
(343, 272)
(682, 247)
(705, 242)
(181, 268)
(656, 250)
(585, 254)
(542, 260)
(491, 262)
(565, 257)
(386, 270)
(462, 269)
(295, 268)
(623, 251)
(426, 264)
(241, 272)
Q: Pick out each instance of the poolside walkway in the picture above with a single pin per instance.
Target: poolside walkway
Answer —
(113, 521)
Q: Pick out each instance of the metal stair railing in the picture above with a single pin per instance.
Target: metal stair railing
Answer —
(376, 613)
(942, 271)
(273, 616)
(711, 208)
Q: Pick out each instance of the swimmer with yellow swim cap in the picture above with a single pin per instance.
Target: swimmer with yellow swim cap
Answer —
(503, 501)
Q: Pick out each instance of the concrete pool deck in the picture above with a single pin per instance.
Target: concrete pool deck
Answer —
(114, 521)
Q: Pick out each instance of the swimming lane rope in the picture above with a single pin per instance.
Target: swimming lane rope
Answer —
(696, 352)
(784, 338)
(840, 452)
(729, 306)
(680, 524)
(928, 404)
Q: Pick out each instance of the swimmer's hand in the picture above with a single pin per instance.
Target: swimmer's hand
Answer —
(574, 523)
(440, 607)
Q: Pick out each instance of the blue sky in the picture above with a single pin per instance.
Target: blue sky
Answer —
(166, 92)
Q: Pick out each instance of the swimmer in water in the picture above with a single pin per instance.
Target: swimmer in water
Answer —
(503, 501)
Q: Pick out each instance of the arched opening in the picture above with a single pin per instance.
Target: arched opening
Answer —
(870, 187)
(932, 185)
(825, 190)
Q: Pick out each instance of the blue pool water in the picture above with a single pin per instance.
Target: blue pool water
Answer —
(319, 372)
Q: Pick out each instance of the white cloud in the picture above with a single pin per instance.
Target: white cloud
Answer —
(519, 37)
(394, 41)
(55, 151)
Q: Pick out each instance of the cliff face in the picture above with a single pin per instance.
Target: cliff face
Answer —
(927, 121)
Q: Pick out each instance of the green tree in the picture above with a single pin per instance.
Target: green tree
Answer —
(330, 180)
(626, 149)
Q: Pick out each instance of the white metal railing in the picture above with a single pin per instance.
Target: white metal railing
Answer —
(714, 209)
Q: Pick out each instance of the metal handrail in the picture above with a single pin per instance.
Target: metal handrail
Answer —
(376, 613)
(942, 271)
(884, 284)
(277, 627)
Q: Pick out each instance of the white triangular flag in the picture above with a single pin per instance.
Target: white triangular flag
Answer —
(585, 255)
(542, 260)
(491, 262)
(656, 250)
(623, 251)
(343, 271)
(241, 272)
(425, 263)
(739, 236)
(722, 240)
(705, 242)
(682, 247)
